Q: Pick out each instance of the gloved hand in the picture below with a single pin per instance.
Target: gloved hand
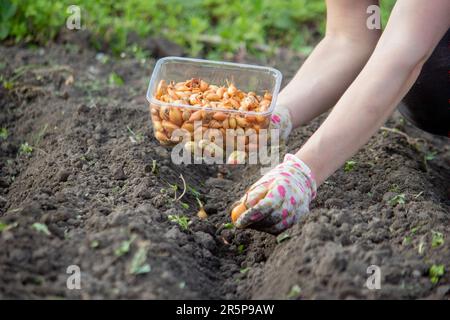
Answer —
(281, 120)
(277, 200)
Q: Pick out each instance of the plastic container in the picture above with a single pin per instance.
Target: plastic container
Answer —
(167, 117)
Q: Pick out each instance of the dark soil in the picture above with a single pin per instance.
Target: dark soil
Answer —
(95, 185)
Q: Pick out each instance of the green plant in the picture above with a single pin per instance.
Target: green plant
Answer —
(94, 244)
(245, 270)
(184, 205)
(213, 28)
(124, 247)
(135, 137)
(240, 248)
(283, 237)
(154, 167)
(294, 292)
(138, 264)
(7, 11)
(25, 148)
(3, 226)
(430, 155)
(437, 239)
(394, 188)
(397, 199)
(436, 272)
(349, 165)
(182, 221)
(115, 80)
(41, 227)
(228, 225)
(3, 133)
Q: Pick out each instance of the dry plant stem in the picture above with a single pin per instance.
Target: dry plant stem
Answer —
(410, 140)
(184, 188)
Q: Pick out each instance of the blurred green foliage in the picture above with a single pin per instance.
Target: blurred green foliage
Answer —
(202, 27)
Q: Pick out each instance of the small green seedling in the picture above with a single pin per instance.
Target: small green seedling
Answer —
(407, 240)
(194, 192)
(115, 80)
(25, 148)
(174, 188)
(8, 85)
(124, 247)
(283, 237)
(245, 270)
(184, 205)
(3, 133)
(228, 225)
(430, 155)
(138, 264)
(398, 199)
(437, 239)
(40, 134)
(436, 272)
(154, 167)
(182, 221)
(421, 248)
(241, 248)
(394, 188)
(295, 292)
(135, 137)
(95, 244)
(42, 228)
(349, 165)
(3, 226)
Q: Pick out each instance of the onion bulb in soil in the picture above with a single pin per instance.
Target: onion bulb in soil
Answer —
(237, 212)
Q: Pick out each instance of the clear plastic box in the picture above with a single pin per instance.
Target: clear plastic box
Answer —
(169, 116)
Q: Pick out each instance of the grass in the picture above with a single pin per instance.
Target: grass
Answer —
(211, 28)
(135, 137)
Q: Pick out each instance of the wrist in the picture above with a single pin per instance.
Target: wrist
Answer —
(307, 176)
(313, 165)
(281, 119)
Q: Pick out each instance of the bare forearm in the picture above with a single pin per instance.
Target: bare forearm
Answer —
(372, 97)
(357, 116)
(323, 78)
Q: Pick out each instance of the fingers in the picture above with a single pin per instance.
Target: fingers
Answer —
(254, 195)
(260, 211)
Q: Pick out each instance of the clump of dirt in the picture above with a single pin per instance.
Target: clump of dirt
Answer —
(96, 190)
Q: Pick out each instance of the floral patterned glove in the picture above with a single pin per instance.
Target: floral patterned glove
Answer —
(281, 120)
(277, 200)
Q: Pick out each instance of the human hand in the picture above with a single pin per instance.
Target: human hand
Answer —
(277, 200)
(281, 120)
